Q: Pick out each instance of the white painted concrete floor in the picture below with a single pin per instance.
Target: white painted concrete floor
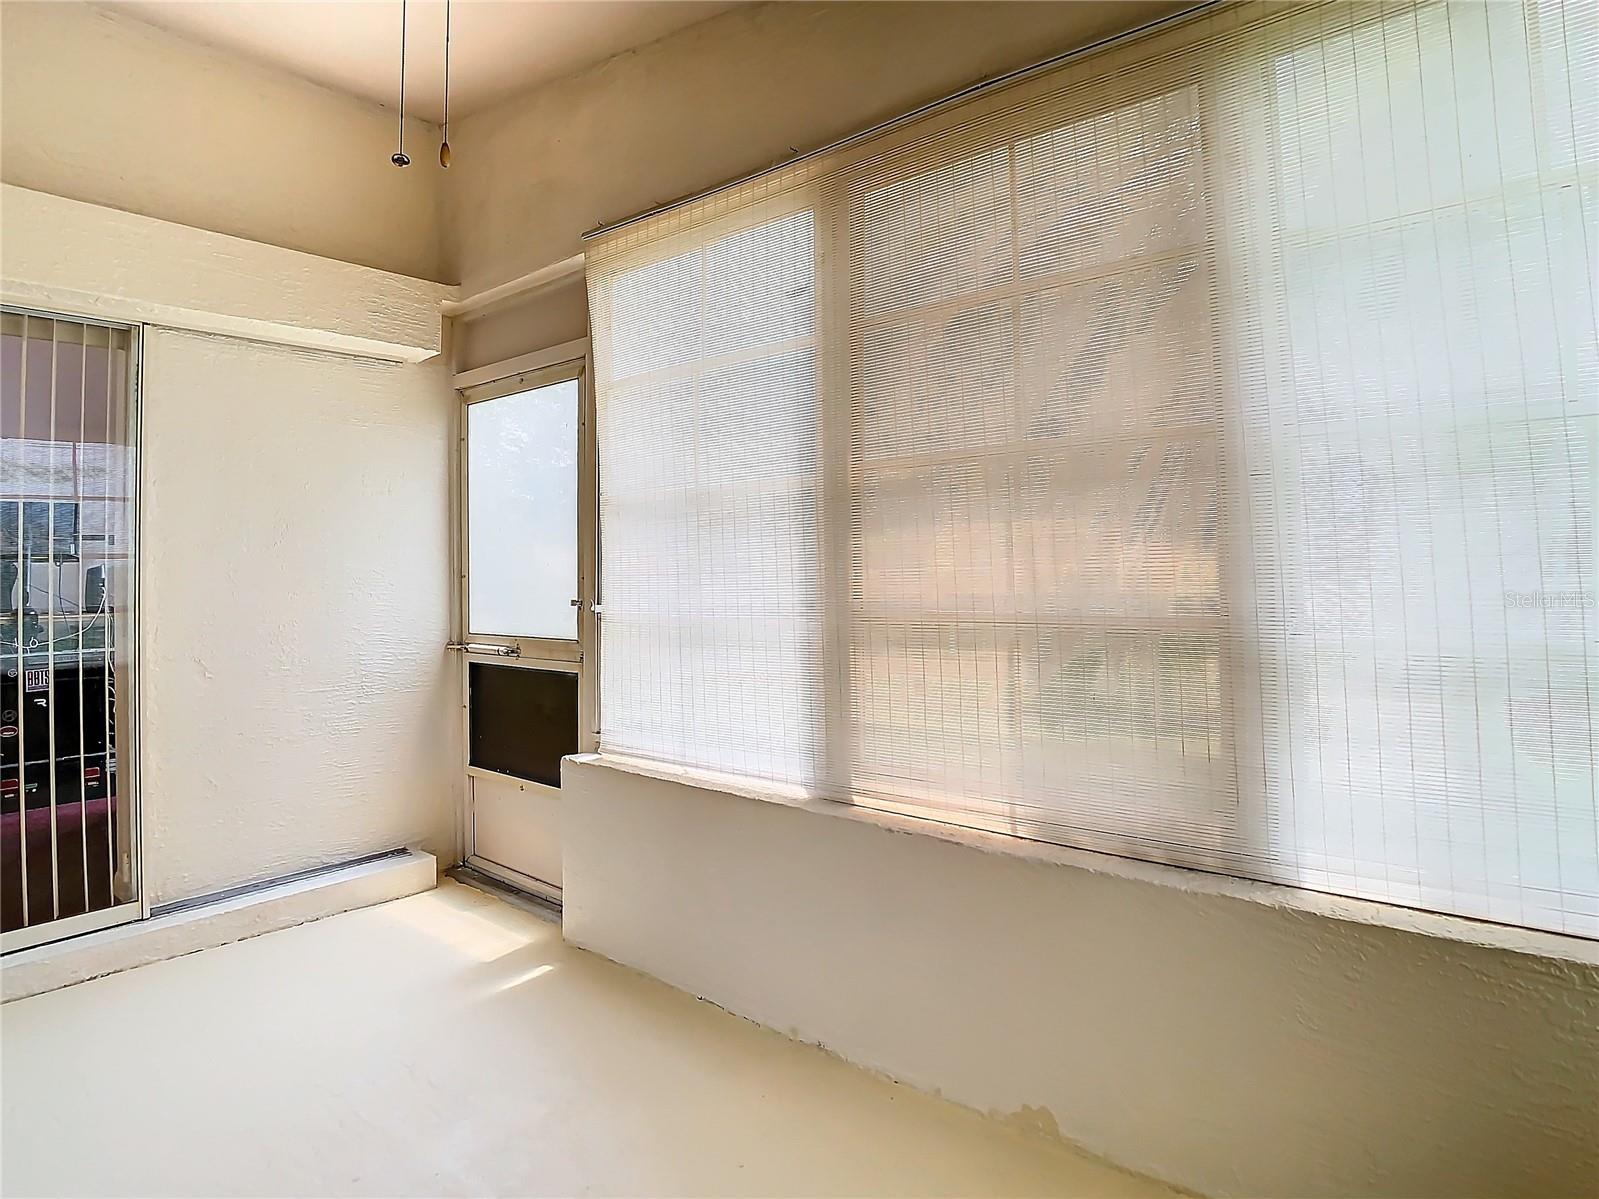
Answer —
(452, 1044)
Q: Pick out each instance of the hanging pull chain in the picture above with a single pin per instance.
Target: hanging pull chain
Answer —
(444, 144)
(399, 158)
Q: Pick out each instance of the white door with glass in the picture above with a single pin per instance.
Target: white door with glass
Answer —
(528, 614)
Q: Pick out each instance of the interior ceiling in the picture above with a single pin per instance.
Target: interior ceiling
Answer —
(497, 47)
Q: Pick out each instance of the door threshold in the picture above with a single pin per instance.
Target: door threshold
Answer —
(228, 916)
(540, 904)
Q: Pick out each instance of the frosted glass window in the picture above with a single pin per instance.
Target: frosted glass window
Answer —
(522, 513)
(1191, 453)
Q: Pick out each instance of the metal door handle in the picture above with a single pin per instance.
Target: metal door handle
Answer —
(477, 647)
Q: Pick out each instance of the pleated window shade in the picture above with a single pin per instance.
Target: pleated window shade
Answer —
(1186, 453)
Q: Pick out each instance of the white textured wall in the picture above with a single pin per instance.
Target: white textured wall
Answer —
(97, 106)
(298, 706)
(1224, 1045)
(546, 318)
(70, 256)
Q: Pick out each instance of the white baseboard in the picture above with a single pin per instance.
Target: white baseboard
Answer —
(227, 918)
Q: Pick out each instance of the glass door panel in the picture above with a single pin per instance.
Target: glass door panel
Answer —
(522, 501)
(66, 604)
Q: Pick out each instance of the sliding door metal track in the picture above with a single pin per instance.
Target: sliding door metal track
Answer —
(227, 893)
(539, 905)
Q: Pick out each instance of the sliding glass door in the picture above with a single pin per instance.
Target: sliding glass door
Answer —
(67, 492)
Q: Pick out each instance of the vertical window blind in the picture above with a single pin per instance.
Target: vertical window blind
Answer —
(1187, 452)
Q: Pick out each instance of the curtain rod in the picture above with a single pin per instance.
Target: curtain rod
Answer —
(966, 93)
(481, 302)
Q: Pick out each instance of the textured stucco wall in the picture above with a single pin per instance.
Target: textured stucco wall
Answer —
(66, 255)
(1228, 1046)
(546, 318)
(298, 707)
(99, 107)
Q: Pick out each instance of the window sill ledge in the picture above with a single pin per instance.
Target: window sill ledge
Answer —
(1532, 942)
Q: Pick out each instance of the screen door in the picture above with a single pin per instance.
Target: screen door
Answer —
(526, 599)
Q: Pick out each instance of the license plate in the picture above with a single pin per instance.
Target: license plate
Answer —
(35, 680)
